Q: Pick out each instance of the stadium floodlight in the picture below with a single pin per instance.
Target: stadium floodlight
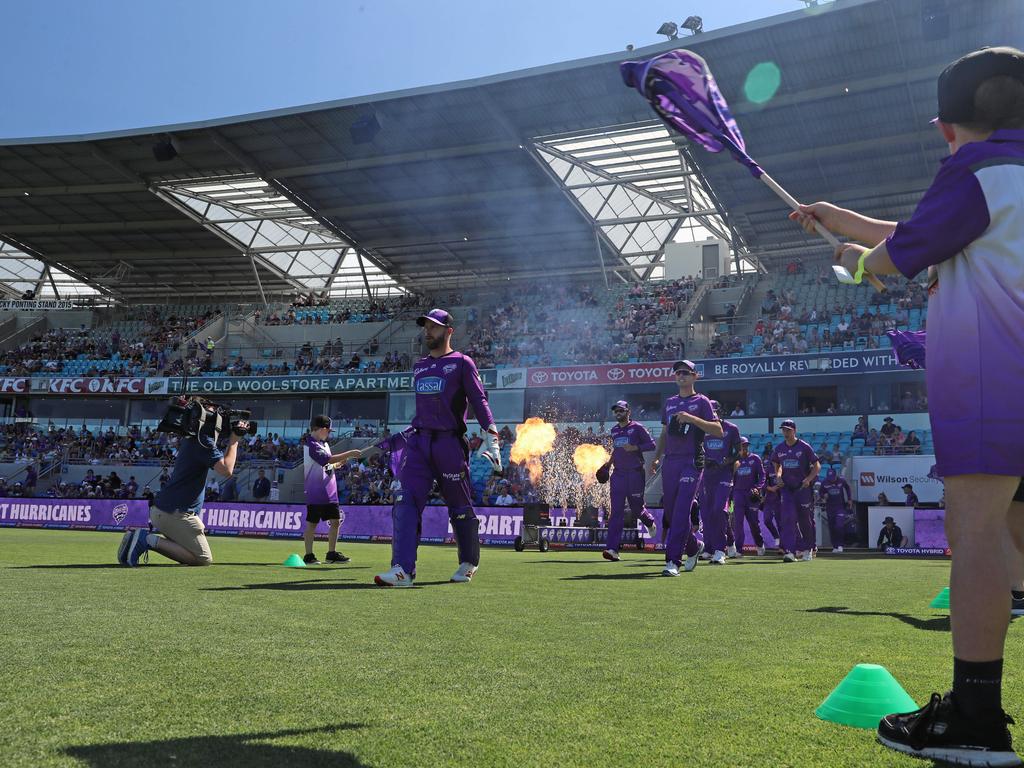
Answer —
(669, 30)
(694, 23)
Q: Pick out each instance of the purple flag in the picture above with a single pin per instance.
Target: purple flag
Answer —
(680, 87)
(909, 347)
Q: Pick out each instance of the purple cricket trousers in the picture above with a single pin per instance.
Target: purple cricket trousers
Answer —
(680, 533)
(715, 487)
(627, 487)
(796, 519)
(744, 509)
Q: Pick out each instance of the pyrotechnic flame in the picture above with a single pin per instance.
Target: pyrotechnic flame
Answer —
(588, 459)
(534, 439)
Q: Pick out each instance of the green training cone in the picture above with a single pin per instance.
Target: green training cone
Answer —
(294, 561)
(864, 697)
(941, 600)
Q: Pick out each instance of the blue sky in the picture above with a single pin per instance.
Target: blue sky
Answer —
(71, 66)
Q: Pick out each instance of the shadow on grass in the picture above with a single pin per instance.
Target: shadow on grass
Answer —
(244, 750)
(313, 585)
(651, 574)
(938, 624)
(167, 564)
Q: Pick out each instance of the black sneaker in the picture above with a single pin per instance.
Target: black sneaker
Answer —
(1017, 608)
(337, 557)
(310, 559)
(939, 731)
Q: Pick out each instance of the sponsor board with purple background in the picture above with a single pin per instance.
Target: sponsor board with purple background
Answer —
(498, 525)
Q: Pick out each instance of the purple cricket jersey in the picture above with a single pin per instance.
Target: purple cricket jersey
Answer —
(394, 445)
(688, 443)
(444, 386)
(749, 474)
(320, 484)
(835, 491)
(796, 461)
(631, 434)
(724, 450)
(968, 230)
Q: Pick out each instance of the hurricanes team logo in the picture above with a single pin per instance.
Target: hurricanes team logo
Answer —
(450, 368)
(119, 513)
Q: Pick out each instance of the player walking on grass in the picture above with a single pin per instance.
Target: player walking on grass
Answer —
(629, 441)
(321, 487)
(796, 469)
(770, 505)
(720, 455)
(445, 382)
(747, 492)
(968, 231)
(838, 498)
(686, 417)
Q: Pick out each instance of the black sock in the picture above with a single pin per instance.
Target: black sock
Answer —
(1018, 594)
(977, 687)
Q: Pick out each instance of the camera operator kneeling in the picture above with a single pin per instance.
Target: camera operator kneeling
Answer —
(175, 511)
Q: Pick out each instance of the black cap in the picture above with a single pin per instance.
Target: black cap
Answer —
(960, 80)
(888, 520)
(439, 316)
(908, 485)
(319, 422)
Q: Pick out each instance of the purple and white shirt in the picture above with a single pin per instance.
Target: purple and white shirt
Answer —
(444, 387)
(749, 474)
(723, 451)
(688, 445)
(631, 434)
(796, 461)
(320, 484)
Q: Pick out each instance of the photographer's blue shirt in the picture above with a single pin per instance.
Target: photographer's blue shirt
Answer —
(184, 491)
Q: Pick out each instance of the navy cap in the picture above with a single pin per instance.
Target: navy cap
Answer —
(788, 423)
(439, 316)
(684, 365)
(620, 404)
(319, 422)
(960, 80)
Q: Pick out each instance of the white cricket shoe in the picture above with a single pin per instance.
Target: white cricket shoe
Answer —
(396, 577)
(730, 551)
(789, 557)
(465, 573)
(760, 551)
(671, 569)
(837, 550)
(718, 558)
(808, 556)
(705, 555)
(611, 554)
(691, 562)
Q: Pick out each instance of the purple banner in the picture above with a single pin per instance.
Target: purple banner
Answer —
(89, 514)
(930, 528)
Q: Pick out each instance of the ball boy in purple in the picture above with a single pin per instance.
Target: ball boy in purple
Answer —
(686, 417)
(445, 382)
(836, 494)
(720, 455)
(321, 488)
(629, 441)
(796, 468)
(747, 492)
(968, 232)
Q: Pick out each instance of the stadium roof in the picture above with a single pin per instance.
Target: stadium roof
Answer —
(558, 170)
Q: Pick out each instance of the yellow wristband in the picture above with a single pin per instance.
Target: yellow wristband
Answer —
(858, 276)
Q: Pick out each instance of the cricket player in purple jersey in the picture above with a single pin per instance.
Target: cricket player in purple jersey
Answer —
(720, 455)
(629, 441)
(686, 417)
(747, 492)
(838, 498)
(770, 505)
(968, 232)
(445, 382)
(796, 469)
(321, 487)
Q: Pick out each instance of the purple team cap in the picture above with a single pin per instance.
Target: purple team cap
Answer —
(684, 365)
(744, 441)
(959, 81)
(788, 424)
(319, 422)
(620, 404)
(438, 316)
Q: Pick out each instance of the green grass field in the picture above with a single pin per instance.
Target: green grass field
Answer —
(547, 659)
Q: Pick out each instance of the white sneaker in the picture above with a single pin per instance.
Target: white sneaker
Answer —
(789, 557)
(396, 577)
(705, 555)
(837, 550)
(760, 551)
(691, 562)
(671, 569)
(808, 556)
(611, 554)
(718, 558)
(730, 551)
(465, 573)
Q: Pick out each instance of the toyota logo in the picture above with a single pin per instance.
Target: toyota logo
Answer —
(616, 373)
(539, 377)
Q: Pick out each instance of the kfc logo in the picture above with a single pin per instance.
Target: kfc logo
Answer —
(539, 377)
(616, 373)
(867, 479)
